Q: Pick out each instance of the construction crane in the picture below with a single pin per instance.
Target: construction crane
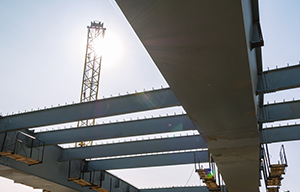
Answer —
(91, 72)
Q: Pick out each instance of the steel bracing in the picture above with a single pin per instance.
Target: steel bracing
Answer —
(221, 87)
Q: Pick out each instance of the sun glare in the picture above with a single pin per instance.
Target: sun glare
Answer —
(110, 48)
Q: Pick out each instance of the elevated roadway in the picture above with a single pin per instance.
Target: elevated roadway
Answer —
(204, 51)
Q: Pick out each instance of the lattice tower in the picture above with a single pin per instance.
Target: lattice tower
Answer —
(91, 73)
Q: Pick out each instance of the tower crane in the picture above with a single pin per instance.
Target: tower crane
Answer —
(91, 72)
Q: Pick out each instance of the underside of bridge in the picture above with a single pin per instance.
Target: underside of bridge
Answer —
(210, 55)
(203, 50)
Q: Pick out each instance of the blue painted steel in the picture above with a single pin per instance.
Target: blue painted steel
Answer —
(50, 170)
(181, 189)
(56, 172)
(149, 161)
(136, 147)
(88, 110)
(279, 79)
(177, 189)
(280, 134)
(115, 130)
(280, 111)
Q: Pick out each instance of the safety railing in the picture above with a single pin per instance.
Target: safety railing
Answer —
(265, 162)
(210, 176)
(273, 172)
(80, 173)
(282, 156)
(22, 146)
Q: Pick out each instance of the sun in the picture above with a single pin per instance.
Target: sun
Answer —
(110, 47)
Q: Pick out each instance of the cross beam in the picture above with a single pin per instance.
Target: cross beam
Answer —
(280, 134)
(150, 160)
(116, 130)
(279, 111)
(136, 147)
(279, 79)
(89, 110)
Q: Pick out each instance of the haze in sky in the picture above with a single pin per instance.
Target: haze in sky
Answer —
(42, 57)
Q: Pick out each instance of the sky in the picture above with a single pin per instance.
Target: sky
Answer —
(42, 57)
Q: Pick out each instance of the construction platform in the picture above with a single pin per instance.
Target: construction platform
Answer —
(79, 181)
(98, 188)
(19, 157)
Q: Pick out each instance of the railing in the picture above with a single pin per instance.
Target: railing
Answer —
(81, 174)
(22, 147)
(210, 175)
(282, 156)
(265, 162)
(272, 172)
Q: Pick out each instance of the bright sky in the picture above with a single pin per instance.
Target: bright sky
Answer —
(42, 57)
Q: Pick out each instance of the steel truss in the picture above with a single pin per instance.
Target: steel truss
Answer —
(91, 73)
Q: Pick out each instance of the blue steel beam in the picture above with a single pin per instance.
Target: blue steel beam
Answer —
(115, 130)
(280, 111)
(182, 189)
(89, 110)
(279, 79)
(136, 147)
(113, 183)
(52, 171)
(149, 160)
(177, 189)
(280, 134)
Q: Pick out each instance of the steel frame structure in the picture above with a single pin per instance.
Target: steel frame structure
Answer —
(55, 167)
(91, 73)
(92, 66)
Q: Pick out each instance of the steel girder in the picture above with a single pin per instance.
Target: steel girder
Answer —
(150, 160)
(136, 147)
(88, 110)
(177, 189)
(279, 111)
(279, 134)
(116, 130)
(279, 79)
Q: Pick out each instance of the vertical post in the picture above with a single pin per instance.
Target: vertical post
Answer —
(284, 155)
(209, 159)
(16, 142)
(101, 178)
(90, 176)
(69, 173)
(43, 149)
(195, 161)
(3, 143)
(31, 147)
(110, 184)
(81, 172)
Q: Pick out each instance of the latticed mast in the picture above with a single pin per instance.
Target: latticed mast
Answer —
(91, 73)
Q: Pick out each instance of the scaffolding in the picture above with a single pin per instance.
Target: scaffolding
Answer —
(21, 146)
(273, 173)
(210, 176)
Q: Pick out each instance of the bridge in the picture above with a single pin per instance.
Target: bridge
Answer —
(213, 66)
